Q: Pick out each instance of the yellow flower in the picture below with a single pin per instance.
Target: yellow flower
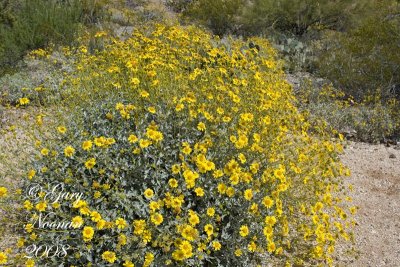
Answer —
(3, 191)
(90, 163)
(61, 129)
(44, 151)
(132, 138)
(135, 81)
(128, 264)
(148, 193)
(87, 233)
(209, 229)
(69, 151)
(77, 222)
(30, 263)
(268, 202)
(210, 212)
(238, 252)
(3, 258)
(41, 206)
(173, 183)
(87, 145)
(201, 126)
(24, 101)
(244, 231)
(152, 110)
(252, 247)
(270, 220)
(178, 255)
(144, 94)
(27, 204)
(31, 174)
(95, 216)
(121, 223)
(216, 245)
(157, 218)
(248, 194)
(199, 191)
(143, 143)
(186, 248)
(109, 256)
(29, 228)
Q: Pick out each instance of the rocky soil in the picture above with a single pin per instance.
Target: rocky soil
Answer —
(376, 181)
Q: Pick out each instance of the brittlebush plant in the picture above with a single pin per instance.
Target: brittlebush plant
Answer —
(188, 151)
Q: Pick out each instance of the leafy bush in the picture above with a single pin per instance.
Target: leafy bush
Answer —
(362, 60)
(296, 17)
(218, 15)
(187, 151)
(260, 16)
(367, 121)
(38, 23)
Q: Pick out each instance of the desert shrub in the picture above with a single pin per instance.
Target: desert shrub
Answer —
(221, 16)
(187, 151)
(38, 23)
(259, 16)
(178, 5)
(367, 121)
(296, 17)
(362, 60)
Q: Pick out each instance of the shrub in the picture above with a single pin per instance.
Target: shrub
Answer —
(367, 121)
(296, 17)
(187, 151)
(38, 23)
(362, 60)
(218, 15)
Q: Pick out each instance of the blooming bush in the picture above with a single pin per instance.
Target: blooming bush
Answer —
(183, 150)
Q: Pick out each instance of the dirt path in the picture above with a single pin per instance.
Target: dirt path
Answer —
(376, 179)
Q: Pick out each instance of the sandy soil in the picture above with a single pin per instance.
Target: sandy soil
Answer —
(376, 179)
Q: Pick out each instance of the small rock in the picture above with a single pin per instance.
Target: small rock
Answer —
(392, 156)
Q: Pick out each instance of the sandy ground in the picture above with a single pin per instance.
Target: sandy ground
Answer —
(376, 179)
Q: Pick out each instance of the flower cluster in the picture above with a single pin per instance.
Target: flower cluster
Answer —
(189, 151)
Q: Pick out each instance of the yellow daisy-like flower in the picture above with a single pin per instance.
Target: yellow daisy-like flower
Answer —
(3, 258)
(173, 183)
(62, 129)
(157, 218)
(132, 138)
(248, 194)
(268, 202)
(152, 110)
(31, 174)
(270, 220)
(77, 222)
(30, 263)
(209, 229)
(109, 256)
(128, 264)
(90, 163)
(41, 206)
(148, 193)
(87, 145)
(201, 126)
(199, 192)
(24, 101)
(87, 233)
(69, 151)
(210, 212)
(216, 245)
(44, 151)
(121, 223)
(135, 81)
(244, 231)
(3, 191)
